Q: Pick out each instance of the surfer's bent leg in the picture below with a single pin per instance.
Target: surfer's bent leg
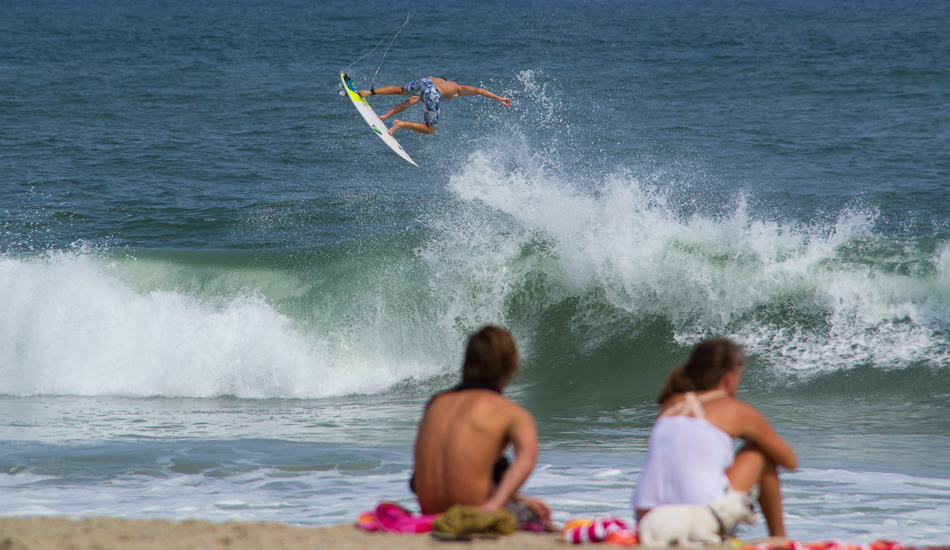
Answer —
(420, 127)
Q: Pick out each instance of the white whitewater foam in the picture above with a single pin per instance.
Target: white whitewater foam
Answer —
(623, 246)
(790, 292)
(71, 327)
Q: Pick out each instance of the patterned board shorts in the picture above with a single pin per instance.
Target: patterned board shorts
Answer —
(431, 96)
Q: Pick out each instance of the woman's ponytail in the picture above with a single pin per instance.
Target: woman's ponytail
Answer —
(709, 361)
(676, 382)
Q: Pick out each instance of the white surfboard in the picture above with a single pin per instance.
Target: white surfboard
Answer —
(373, 120)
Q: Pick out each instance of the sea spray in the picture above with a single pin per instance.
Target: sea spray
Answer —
(623, 249)
(574, 262)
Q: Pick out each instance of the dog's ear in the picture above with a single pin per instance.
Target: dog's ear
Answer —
(753, 493)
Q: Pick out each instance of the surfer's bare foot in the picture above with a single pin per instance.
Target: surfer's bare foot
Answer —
(397, 124)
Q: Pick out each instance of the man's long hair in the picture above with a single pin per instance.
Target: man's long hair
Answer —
(491, 357)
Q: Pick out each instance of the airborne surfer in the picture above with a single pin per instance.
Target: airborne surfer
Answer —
(431, 91)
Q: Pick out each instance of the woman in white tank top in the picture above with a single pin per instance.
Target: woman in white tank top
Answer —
(690, 458)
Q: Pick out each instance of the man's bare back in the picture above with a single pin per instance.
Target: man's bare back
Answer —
(461, 436)
(449, 89)
(465, 430)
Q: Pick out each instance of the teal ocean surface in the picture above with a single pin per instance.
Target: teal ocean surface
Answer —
(222, 297)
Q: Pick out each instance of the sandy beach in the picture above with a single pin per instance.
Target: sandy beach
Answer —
(129, 534)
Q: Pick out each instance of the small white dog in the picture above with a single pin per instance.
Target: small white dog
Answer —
(695, 525)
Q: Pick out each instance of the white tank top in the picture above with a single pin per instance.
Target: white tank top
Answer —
(687, 457)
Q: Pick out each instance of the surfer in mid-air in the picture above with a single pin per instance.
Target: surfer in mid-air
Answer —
(430, 91)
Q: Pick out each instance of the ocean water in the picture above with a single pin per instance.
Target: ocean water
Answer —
(221, 297)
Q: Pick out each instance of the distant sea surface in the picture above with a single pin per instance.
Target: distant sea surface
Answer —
(222, 297)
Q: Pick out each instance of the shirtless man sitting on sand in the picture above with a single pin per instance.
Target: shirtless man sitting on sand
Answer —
(431, 91)
(465, 430)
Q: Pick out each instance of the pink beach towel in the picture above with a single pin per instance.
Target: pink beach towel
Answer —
(393, 518)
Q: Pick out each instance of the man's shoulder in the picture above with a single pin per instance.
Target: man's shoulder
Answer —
(477, 396)
(510, 408)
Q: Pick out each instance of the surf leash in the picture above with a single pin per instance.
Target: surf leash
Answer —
(398, 30)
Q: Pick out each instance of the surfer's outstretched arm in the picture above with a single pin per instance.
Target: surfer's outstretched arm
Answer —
(385, 90)
(472, 90)
(401, 107)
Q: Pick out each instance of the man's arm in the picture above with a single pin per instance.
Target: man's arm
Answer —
(524, 439)
(385, 90)
(471, 90)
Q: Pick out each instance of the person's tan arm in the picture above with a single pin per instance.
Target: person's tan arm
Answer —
(758, 430)
(471, 90)
(524, 439)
